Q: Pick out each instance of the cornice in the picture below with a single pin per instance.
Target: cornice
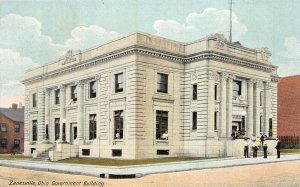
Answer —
(142, 50)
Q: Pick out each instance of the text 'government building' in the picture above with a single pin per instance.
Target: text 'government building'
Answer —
(144, 96)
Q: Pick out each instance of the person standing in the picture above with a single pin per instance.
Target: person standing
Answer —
(254, 149)
(265, 148)
(278, 146)
(262, 138)
(246, 148)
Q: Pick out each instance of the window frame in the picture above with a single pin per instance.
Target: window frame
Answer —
(57, 96)
(34, 130)
(3, 143)
(92, 126)
(236, 92)
(162, 123)
(216, 120)
(194, 120)
(74, 93)
(92, 89)
(119, 86)
(119, 124)
(195, 92)
(17, 129)
(56, 129)
(34, 100)
(5, 127)
(160, 83)
(17, 140)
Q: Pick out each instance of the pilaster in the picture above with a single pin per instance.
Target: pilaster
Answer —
(62, 110)
(267, 107)
(80, 122)
(223, 112)
(258, 89)
(250, 124)
(211, 103)
(229, 105)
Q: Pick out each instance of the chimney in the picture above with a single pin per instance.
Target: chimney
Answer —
(14, 106)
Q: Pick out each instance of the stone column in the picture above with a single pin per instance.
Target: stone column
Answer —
(80, 122)
(211, 103)
(250, 124)
(62, 109)
(97, 78)
(47, 113)
(229, 105)
(267, 107)
(223, 112)
(41, 116)
(257, 107)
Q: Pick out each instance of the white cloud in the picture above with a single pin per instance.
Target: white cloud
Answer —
(86, 37)
(292, 50)
(12, 68)
(23, 34)
(199, 25)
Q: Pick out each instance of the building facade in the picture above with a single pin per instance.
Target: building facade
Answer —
(11, 130)
(289, 106)
(143, 96)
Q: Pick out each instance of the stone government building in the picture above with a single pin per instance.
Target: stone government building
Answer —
(144, 96)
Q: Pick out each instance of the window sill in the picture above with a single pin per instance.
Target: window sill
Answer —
(161, 142)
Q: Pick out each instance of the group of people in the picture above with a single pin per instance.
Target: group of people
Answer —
(257, 143)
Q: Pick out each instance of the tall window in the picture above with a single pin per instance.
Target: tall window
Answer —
(162, 83)
(34, 130)
(261, 98)
(93, 89)
(34, 100)
(3, 127)
(237, 88)
(93, 126)
(161, 125)
(47, 131)
(3, 143)
(195, 92)
(57, 128)
(119, 82)
(216, 92)
(270, 127)
(16, 143)
(194, 127)
(243, 126)
(216, 121)
(17, 127)
(57, 96)
(260, 123)
(74, 93)
(118, 118)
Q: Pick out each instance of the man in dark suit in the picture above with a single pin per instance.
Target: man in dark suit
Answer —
(278, 146)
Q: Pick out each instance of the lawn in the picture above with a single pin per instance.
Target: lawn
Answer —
(114, 162)
(290, 151)
(14, 157)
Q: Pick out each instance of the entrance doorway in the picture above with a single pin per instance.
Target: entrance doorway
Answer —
(73, 132)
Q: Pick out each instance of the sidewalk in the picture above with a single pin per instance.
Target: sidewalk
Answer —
(141, 170)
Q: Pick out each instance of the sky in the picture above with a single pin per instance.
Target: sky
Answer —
(35, 32)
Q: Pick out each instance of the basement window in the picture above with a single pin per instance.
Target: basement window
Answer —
(162, 152)
(85, 152)
(116, 152)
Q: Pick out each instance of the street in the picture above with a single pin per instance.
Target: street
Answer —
(273, 174)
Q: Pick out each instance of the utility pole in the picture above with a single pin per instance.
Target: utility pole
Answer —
(230, 31)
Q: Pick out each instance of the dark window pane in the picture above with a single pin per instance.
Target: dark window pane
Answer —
(118, 124)
(161, 125)
(93, 127)
(93, 89)
(57, 128)
(119, 82)
(162, 83)
(34, 130)
(57, 96)
(194, 121)
(74, 93)
(237, 88)
(195, 92)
